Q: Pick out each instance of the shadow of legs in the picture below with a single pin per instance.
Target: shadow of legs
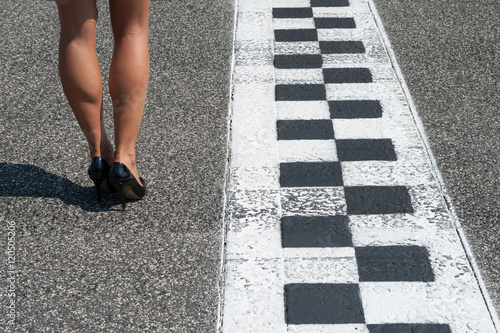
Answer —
(24, 180)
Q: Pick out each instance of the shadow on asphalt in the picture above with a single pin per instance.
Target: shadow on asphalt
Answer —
(24, 180)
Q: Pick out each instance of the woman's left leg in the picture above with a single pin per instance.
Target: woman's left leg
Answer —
(129, 75)
(80, 73)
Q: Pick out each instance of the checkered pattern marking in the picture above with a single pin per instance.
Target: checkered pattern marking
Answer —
(338, 303)
(336, 223)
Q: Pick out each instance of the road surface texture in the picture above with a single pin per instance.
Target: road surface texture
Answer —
(83, 267)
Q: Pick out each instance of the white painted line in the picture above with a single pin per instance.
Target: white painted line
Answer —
(290, 3)
(254, 296)
(342, 328)
(222, 268)
(311, 270)
(302, 23)
(378, 173)
(307, 151)
(253, 25)
(390, 302)
(299, 76)
(355, 7)
(297, 48)
(313, 201)
(303, 110)
(319, 252)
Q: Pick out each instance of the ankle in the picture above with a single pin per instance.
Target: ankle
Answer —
(127, 159)
(102, 154)
(108, 154)
(102, 150)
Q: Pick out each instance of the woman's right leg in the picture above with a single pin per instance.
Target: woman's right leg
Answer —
(128, 75)
(79, 71)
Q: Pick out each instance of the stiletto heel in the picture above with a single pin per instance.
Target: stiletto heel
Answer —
(128, 187)
(97, 183)
(98, 172)
(122, 196)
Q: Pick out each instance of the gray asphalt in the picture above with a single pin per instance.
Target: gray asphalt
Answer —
(89, 268)
(84, 267)
(449, 52)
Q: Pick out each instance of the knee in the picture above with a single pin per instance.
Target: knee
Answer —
(131, 33)
(79, 35)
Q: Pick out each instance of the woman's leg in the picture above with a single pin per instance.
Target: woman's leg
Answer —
(128, 75)
(79, 71)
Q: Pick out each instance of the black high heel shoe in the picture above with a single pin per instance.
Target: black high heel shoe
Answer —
(99, 172)
(124, 181)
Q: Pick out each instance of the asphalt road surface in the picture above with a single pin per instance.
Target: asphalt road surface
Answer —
(82, 267)
(89, 268)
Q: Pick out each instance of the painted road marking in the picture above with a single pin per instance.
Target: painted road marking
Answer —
(336, 222)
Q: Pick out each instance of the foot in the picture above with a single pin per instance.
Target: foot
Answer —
(129, 162)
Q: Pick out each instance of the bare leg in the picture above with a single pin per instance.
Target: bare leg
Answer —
(79, 71)
(128, 75)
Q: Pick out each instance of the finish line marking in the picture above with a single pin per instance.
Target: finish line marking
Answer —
(336, 221)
